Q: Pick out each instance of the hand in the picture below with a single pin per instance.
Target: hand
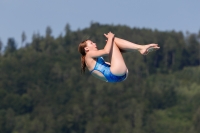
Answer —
(110, 35)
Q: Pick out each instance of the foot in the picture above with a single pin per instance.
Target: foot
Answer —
(148, 48)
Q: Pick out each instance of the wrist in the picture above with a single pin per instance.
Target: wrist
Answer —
(110, 38)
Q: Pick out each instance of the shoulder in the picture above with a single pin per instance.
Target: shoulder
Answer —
(90, 62)
(89, 59)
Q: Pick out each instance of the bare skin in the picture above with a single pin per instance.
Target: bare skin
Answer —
(113, 49)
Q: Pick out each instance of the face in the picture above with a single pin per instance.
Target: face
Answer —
(90, 46)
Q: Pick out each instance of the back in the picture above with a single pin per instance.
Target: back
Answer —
(92, 64)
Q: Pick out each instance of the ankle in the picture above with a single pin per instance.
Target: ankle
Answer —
(140, 47)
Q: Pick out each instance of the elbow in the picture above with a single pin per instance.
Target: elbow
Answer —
(107, 52)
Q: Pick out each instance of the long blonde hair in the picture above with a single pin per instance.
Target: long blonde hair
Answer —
(81, 50)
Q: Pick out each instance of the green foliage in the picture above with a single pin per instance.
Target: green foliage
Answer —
(1, 46)
(11, 46)
(42, 90)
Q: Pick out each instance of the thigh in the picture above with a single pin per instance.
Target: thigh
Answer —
(118, 66)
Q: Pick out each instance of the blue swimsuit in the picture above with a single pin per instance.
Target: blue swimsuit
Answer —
(104, 68)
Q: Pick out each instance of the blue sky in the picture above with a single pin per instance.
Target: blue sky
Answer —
(33, 16)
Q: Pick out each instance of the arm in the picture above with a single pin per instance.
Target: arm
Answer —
(106, 50)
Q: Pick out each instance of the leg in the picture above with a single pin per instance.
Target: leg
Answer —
(125, 45)
(118, 66)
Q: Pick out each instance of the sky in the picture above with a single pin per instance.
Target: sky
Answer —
(33, 16)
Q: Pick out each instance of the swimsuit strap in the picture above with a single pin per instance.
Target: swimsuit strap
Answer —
(91, 71)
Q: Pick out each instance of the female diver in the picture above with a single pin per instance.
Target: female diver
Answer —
(116, 70)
